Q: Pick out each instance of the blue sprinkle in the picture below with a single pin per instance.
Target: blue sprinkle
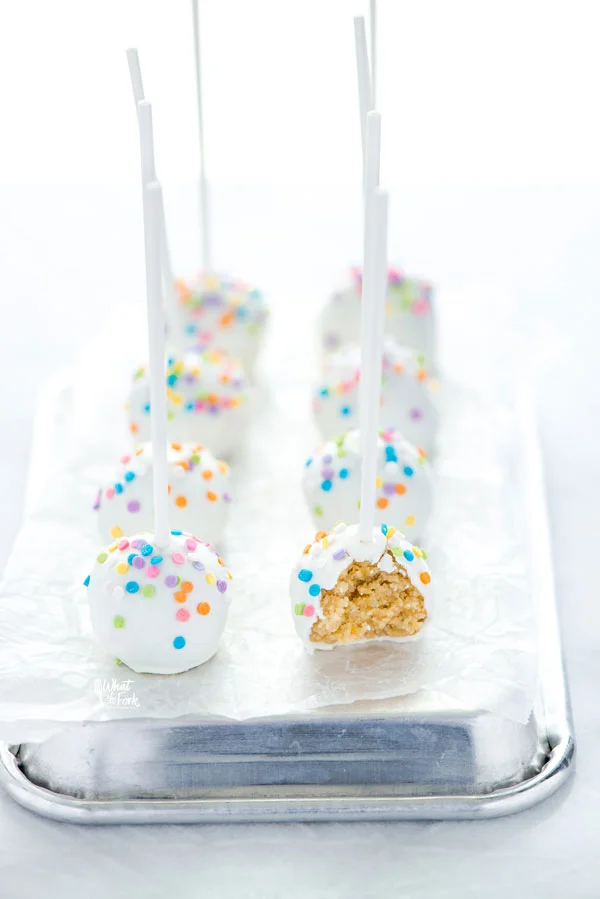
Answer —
(344, 473)
(305, 575)
(324, 391)
(146, 407)
(189, 407)
(147, 550)
(132, 586)
(179, 642)
(176, 533)
(86, 583)
(390, 454)
(190, 329)
(156, 560)
(345, 410)
(408, 555)
(326, 485)
(118, 488)
(130, 558)
(308, 462)
(384, 529)
(314, 589)
(408, 471)
(241, 312)
(172, 380)
(170, 360)
(129, 475)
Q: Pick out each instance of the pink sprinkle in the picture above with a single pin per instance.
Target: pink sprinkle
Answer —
(110, 493)
(178, 558)
(309, 611)
(123, 544)
(420, 307)
(125, 459)
(152, 571)
(191, 545)
(182, 615)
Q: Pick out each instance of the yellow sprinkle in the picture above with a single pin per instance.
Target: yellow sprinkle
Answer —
(112, 547)
(116, 531)
(417, 552)
(324, 543)
(378, 483)
(122, 568)
(410, 520)
(210, 578)
(229, 575)
(178, 367)
(391, 532)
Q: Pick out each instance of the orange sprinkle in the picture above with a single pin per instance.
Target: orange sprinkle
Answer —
(306, 549)
(139, 451)
(401, 489)
(226, 319)
(187, 587)
(211, 495)
(203, 608)
(176, 446)
(181, 501)
(207, 475)
(221, 562)
(180, 596)
(382, 503)
(320, 535)
(398, 368)
(169, 490)
(425, 577)
(223, 467)
(421, 375)
(133, 428)
(182, 289)
(212, 398)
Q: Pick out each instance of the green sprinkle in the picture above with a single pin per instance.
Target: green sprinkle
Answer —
(101, 557)
(318, 510)
(395, 550)
(119, 621)
(148, 590)
(299, 608)
(423, 553)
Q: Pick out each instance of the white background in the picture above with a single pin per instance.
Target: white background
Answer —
(492, 149)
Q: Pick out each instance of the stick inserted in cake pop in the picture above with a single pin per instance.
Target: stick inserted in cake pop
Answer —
(204, 198)
(374, 286)
(373, 41)
(365, 87)
(149, 174)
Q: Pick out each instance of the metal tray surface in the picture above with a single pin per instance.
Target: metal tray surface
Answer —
(415, 757)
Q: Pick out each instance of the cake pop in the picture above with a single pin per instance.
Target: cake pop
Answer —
(404, 485)
(407, 395)
(199, 493)
(207, 401)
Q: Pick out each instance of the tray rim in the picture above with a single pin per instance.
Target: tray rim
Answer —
(551, 709)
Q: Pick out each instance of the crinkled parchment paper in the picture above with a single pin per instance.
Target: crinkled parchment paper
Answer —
(478, 651)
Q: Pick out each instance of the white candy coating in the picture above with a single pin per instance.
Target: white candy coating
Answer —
(199, 493)
(160, 611)
(207, 402)
(320, 566)
(409, 315)
(331, 483)
(219, 312)
(407, 395)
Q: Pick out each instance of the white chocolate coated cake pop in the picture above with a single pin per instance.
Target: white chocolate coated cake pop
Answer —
(407, 395)
(345, 591)
(408, 315)
(207, 401)
(159, 610)
(332, 480)
(199, 493)
(223, 314)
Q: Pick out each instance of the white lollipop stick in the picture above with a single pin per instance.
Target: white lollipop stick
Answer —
(374, 291)
(156, 342)
(204, 198)
(373, 36)
(137, 86)
(365, 89)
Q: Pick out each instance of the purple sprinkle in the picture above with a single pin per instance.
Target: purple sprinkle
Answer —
(97, 502)
(389, 489)
(226, 498)
(339, 554)
(139, 543)
(133, 505)
(331, 340)
(138, 562)
(328, 474)
(189, 378)
(416, 414)
(327, 459)
(171, 580)
(221, 586)
(212, 299)
(213, 410)
(198, 566)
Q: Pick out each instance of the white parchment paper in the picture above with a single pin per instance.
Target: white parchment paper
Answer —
(478, 651)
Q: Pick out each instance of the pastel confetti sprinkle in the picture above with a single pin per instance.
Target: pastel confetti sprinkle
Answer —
(132, 586)
(305, 575)
(203, 608)
(178, 558)
(133, 505)
(308, 611)
(118, 621)
(179, 642)
(314, 590)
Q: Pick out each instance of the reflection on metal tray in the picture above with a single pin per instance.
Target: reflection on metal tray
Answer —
(408, 758)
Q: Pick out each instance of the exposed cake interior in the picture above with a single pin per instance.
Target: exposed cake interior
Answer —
(369, 601)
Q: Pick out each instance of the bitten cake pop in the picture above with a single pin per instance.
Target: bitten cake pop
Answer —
(207, 401)
(199, 493)
(404, 485)
(158, 601)
(409, 315)
(407, 395)
(223, 313)
(344, 590)
(159, 609)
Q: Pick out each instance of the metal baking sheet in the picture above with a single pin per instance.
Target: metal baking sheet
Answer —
(417, 756)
